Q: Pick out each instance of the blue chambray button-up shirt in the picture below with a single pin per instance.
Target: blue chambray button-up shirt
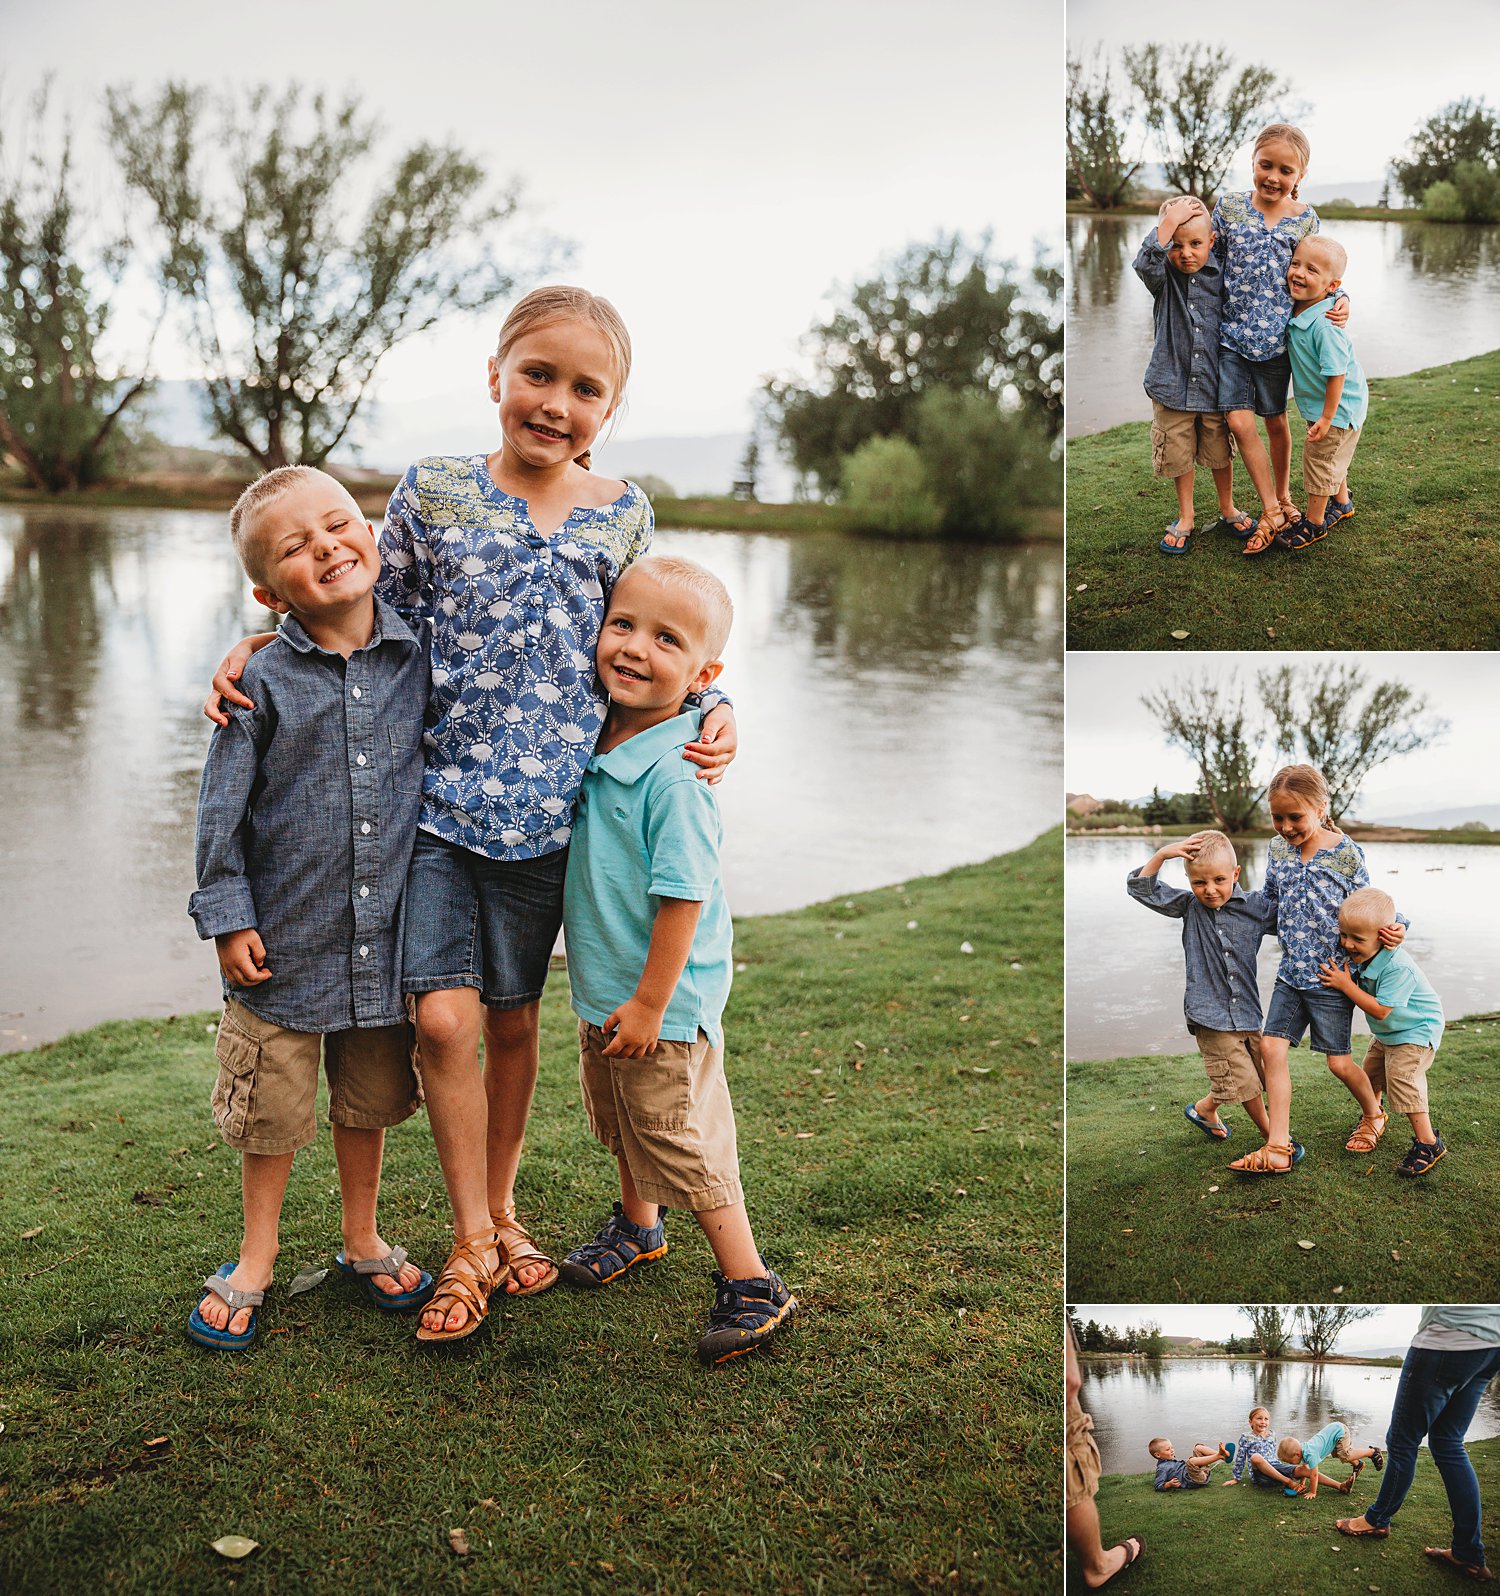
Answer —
(1183, 372)
(306, 821)
(1219, 947)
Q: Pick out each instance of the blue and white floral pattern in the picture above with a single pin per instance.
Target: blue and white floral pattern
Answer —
(1257, 306)
(1308, 896)
(516, 707)
(1252, 1445)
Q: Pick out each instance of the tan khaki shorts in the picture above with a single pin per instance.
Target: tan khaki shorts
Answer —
(1231, 1060)
(669, 1116)
(265, 1099)
(1400, 1071)
(1325, 463)
(1182, 438)
(1082, 1457)
(1342, 1450)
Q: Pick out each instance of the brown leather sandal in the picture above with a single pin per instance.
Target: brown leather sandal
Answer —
(1365, 1137)
(1258, 1160)
(1267, 529)
(521, 1250)
(466, 1282)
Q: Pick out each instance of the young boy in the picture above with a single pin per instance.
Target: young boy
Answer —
(1305, 1456)
(306, 821)
(1222, 927)
(1189, 1473)
(1177, 263)
(648, 943)
(1405, 1017)
(1329, 386)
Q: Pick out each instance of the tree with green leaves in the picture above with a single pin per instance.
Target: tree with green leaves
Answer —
(945, 316)
(1345, 724)
(1321, 1326)
(1100, 118)
(1270, 1330)
(1210, 723)
(1150, 1340)
(295, 291)
(61, 406)
(1200, 108)
(1464, 130)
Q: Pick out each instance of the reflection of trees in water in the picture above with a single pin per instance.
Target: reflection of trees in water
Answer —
(1100, 250)
(920, 606)
(1449, 250)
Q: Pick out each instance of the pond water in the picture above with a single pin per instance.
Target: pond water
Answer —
(882, 690)
(1189, 1400)
(1125, 969)
(1423, 294)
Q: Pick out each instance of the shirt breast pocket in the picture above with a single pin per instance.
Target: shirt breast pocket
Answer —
(404, 762)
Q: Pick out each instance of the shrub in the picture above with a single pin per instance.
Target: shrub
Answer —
(885, 487)
(1441, 203)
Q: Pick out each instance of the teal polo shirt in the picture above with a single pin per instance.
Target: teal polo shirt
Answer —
(1394, 981)
(1319, 350)
(645, 829)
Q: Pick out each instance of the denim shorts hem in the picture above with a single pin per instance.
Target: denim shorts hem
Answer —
(503, 1003)
(418, 984)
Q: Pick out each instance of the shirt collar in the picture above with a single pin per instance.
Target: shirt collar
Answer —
(1378, 964)
(389, 628)
(1305, 318)
(636, 755)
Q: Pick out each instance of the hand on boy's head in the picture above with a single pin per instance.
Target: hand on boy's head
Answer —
(242, 957)
(1392, 936)
(718, 742)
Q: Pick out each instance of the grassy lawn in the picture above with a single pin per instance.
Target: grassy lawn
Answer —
(1416, 568)
(899, 1114)
(1261, 1540)
(1144, 1225)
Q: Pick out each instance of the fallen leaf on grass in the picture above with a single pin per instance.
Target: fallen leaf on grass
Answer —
(235, 1546)
(306, 1280)
(1271, 633)
(1307, 1246)
(1395, 1256)
(1213, 1188)
(803, 1136)
(1338, 1291)
(160, 1440)
(459, 1542)
(1082, 587)
(36, 1230)
(1181, 636)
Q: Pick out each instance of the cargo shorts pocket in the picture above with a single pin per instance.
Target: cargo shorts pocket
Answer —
(661, 1086)
(233, 1100)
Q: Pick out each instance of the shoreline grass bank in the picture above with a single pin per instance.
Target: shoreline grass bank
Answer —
(1361, 834)
(899, 1105)
(1260, 1539)
(1416, 568)
(1155, 1215)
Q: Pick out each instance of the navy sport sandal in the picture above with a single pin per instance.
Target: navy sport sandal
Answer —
(619, 1246)
(1421, 1156)
(1339, 510)
(1301, 535)
(745, 1315)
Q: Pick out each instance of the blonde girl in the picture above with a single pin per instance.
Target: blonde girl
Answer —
(506, 560)
(1256, 232)
(1312, 867)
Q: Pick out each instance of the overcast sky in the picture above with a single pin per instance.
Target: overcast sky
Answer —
(1116, 749)
(1369, 73)
(718, 168)
(1390, 1327)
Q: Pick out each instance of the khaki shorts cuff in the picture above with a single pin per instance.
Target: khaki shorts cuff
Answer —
(695, 1202)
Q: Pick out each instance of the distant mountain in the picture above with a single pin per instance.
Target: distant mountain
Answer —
(1489, 814)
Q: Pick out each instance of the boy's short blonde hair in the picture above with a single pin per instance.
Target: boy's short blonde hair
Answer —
(1215, 848)
(1289, 1449)
(710, 596)
(1369, 907)
(1155, 1445)
(1167, 204)
(1335, 256)
(243, 517)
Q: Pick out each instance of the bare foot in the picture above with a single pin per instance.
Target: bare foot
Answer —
(1116, 1560)
(524, 1275)
(369, 1245)
(246, 1275)
(457, 1316)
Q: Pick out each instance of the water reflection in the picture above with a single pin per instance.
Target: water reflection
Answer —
(1423, 293)
(1121, 1006)
(882, 691)
(1209, 1399)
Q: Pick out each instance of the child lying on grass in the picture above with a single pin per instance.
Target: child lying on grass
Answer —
(1189, 1473)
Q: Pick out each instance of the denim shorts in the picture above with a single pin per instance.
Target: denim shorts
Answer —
(486, 923)
(1282, 1478)
(1258, 385)
(1329, 1014)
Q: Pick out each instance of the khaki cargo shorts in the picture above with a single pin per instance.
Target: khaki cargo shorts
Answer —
(1325, 463)
(1082, 1461)
(669, 1116)
(1231, 1060)
(265, 1099)
(1182, 438)
(1399, 1070)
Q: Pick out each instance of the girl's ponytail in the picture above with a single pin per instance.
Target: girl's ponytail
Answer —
(584, 459)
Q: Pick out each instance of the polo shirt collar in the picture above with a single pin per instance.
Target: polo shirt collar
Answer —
(1305, 318)
(1378, 965)
(389, 628)
(636, 755)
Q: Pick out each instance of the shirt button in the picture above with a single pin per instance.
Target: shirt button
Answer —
(357, 693)
(364, 952)
(364, 892)
(365, 828)
(360, 759)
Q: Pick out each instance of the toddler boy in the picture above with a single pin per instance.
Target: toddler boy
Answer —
(1189, 1473)
(648, 941)
(1329, 386)
(1178, 264)
(1304, 1458)
(1222, 927)
(306, 820)
(1405, 1017)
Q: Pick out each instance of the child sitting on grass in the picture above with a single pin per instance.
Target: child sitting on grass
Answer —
(1222, 927)
(649, 962)
(1255, 1454)
(1189, 1473)
(1178, 264)
(1305, 1456)
(1405, 1017)
(305, 829)
(1329, 386)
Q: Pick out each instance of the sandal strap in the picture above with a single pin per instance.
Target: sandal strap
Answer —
(235, 1298)
(612, 1247)
(389, 1265)
(516, 1241)
(469, 1287)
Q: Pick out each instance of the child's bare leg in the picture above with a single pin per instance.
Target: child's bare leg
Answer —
(1279, 436)
(1253, 454)
(1274, 1051)
(1256, 1109)
(637, 1210)
(1224, 490)
(1208, 1109)
(263, 1178)
(729, 1234)
(512, 1049)
(1261, 1466)
(358, 1153)
(1343, 1065)
(1421, 1128)
(1317, 508)
(1184, 485)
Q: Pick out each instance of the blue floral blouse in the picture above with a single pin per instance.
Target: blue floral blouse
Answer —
(1257, 306)
(1308, 898)
(515, 707)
